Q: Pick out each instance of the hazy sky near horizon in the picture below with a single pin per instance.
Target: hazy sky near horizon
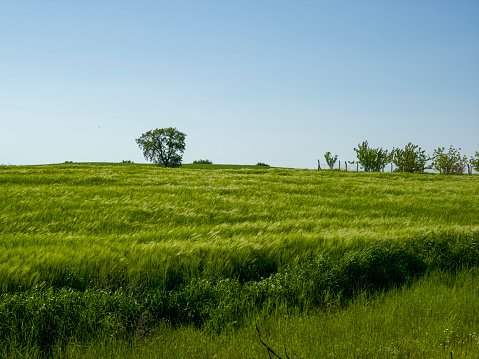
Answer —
(280, 82)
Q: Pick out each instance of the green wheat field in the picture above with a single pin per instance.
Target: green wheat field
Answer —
(128, 260)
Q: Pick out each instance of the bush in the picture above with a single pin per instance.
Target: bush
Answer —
(450, 162)
(410, 159)
(203, 162)
(330, 159)
(371, 159)
(474, 161)
(262, 164)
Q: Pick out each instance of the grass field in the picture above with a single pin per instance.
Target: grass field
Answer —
(104, 254)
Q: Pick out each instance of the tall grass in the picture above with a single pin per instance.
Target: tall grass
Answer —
(50, 316)
(150, 226)
(433, 317)
(90, 252)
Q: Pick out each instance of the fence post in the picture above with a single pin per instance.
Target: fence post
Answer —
(391, 167)
(346, 166)
(357, 166)
(319, 166)
(339, 162)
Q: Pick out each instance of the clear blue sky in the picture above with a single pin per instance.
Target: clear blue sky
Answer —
(280, 82)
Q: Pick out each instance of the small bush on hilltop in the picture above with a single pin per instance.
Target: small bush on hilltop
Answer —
(262, 164)
(203, 162)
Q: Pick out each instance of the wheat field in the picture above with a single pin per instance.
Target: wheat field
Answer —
(210, 245)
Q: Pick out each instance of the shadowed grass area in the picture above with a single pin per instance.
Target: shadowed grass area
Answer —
(52, 316)
(431, 317)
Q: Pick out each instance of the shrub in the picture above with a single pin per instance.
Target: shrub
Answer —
(474, 161)
(450, 162)
(409, 159)
(330, 159)
(262, 164)
(371, 159)
(203, 162)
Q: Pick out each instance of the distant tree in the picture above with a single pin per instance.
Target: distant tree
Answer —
(262, 164)
(330, 159)
(203, 162)
(163, 146)
(371, 159)
(474, 161)
(410, 159)
(450, 162)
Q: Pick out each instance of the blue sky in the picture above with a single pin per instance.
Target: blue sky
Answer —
(280, 82)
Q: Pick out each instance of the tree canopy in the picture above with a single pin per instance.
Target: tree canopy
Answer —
(474, 161)
(330, 159)
(163, 146)
(372, 159)
(410, 159)
(450, 162)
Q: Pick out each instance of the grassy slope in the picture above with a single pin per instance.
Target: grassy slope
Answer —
(153, 226)
(434, 317)
(138, 227)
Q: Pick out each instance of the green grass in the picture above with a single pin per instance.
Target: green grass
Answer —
(213, 247)
(154, 226)
(431, 318)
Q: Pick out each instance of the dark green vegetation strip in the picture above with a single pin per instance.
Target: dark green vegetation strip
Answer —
(44, 317)
(92, 250)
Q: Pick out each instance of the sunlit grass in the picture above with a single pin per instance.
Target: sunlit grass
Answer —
(137, 220)
(221, 248)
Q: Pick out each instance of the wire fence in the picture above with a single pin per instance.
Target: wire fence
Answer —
(354, 166)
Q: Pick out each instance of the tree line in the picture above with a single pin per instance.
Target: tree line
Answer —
(410, 159)
(165, 147)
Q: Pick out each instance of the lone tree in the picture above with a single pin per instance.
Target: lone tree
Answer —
(330, 159)
(163, 146)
